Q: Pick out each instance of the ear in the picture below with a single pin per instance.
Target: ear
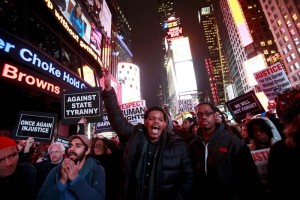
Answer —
(88, 151)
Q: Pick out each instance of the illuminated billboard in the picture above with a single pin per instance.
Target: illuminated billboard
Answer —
(240, 22)
(181, 49)
(76, 21)
(105, 19)
(129, 77)
(253, 65)
(185, 76)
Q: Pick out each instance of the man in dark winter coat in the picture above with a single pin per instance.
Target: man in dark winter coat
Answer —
(223, 164)
(157, 164)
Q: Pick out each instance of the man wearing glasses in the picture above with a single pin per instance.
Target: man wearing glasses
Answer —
(222, 162)
(77, 177)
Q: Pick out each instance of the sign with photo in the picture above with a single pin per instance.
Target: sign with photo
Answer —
(81, 103)
(243, 104)
(40, 126)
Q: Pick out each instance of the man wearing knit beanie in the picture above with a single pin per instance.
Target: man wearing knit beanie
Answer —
(16, 180)
(77, 177)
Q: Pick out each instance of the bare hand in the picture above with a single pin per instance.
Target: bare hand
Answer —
(107, 78)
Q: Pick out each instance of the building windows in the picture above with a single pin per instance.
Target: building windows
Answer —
(294, 16)
(293, 56)
(282, 30)
(270, 42)
(289, 46)
(292, 68)
(295, 78)
(284, 51)
(262, 43)
(296, 41)
(288, 59)
(279, 22)
(286, 38)
(297, 65)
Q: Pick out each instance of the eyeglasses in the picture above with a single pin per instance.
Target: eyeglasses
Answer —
(99, 146)
(206, 114)
(77, 145)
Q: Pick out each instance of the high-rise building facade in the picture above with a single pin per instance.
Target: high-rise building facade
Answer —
(217, 62)
(284, 22)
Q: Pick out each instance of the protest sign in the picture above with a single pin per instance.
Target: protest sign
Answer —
(271, 79)
(64, 141)
(134, 111)
(104, 125)
(40, 126)
(185, 105)
(260, 158)
(81, 103)
(243, 104)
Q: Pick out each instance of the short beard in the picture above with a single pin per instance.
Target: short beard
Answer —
(80, 157)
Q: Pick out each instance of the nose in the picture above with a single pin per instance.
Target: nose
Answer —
(7, 162)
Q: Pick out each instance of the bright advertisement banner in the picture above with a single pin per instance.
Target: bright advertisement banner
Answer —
(260, 158)
(134, 111)
(240, 22)
(253, 65)
(185, 76)
(271, 79)
(105, 19)
(181, 49)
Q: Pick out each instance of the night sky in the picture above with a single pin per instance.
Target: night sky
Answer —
(146, 43)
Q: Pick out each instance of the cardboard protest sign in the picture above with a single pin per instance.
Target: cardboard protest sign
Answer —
(260, 158)
(243, 104)
(134, 111)
(81, 103)
(185, 105)
(103, 125)
(40, 126)
(64, 141)
(271, 79)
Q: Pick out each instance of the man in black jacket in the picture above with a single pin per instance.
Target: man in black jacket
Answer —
(157, 164)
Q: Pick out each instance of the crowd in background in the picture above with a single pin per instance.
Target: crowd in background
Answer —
(204, 157)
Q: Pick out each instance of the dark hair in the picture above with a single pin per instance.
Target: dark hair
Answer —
(155, 108)
(259, 122)
(206, 103)
(288, 104)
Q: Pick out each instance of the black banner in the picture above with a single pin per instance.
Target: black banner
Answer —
(40, 126)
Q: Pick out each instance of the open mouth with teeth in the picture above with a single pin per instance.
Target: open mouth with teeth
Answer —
(155, 129)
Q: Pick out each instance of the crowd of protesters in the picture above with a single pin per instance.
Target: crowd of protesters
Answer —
(204, 157)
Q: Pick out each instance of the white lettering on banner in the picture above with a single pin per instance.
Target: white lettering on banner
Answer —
(28, 56)
(34, 59)
(271, 79)
(82, 98)
(82, 111)
(33, 126)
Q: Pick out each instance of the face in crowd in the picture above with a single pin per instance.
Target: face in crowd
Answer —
(77, 150)
(99, 148)
(155, 122)
(206, 118)
(56, 153)
(8, 159)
